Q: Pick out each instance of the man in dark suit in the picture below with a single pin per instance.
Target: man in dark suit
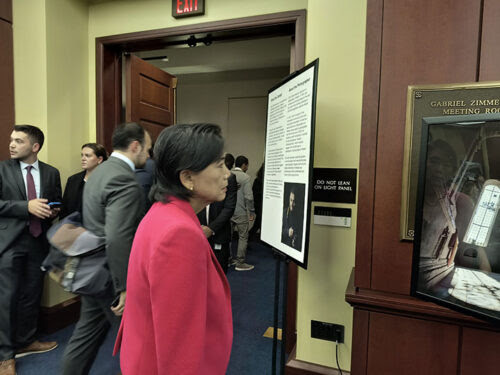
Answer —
(27, 185)
(113, 205)
(215, 221)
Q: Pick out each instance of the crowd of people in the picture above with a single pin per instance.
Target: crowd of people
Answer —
(167, 247)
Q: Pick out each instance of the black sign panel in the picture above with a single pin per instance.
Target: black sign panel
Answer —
(186, 8)
(334, 185)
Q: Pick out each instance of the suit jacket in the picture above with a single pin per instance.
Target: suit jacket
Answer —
(145, 176)
(73, 194)
(14, 213)
(220, 213)
(177, 318)
(112, 208)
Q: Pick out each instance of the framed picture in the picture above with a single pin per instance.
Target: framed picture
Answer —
(457, 239)
(429, 101)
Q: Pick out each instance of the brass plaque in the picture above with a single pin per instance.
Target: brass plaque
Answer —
(429, 101)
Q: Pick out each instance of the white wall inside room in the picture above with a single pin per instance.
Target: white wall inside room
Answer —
(235, 100)
(246, 130)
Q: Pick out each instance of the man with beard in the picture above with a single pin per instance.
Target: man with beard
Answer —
(113, 205)
(27, 185)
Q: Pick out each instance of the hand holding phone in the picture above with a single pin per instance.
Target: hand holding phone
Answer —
(55, 205)
(116, 301)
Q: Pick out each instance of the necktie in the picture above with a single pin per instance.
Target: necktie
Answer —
(35, 224)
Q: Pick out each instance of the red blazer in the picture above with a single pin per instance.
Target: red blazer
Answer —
(177, 317)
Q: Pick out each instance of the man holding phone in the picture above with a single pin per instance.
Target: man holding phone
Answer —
(27, 185)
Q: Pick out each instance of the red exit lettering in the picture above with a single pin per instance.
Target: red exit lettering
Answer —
(186, 6)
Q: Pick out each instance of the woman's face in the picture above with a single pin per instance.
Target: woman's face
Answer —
(90, 159)
(210, 185)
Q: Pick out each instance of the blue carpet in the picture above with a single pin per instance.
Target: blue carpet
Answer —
(49, 363)
(252, 294)
(252, 301)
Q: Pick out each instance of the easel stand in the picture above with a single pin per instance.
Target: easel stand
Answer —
(280, 258)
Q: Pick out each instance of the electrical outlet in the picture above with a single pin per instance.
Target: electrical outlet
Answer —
(327, 331)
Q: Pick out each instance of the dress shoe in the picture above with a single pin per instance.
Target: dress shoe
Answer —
(8, 367)
(36, 347)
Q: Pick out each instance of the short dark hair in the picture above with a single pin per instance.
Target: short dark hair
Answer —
(124, 134)
(240, 160)
(98, 149)
(229, 161)
(34, 134)
(183, 147)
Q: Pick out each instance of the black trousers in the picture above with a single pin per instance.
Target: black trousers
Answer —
(222, 255)
(96, 319)
(21, 284)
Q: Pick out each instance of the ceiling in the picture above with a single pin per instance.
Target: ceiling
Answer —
(250, 54)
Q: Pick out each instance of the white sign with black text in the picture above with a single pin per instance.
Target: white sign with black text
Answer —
(287, 176)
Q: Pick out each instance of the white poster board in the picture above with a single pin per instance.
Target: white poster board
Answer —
(288, 164)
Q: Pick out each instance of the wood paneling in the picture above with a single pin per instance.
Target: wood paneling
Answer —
(7, 117)
(6, 10)
(369, 125)
(55, 318)
(407, 43)
(423, 42)
(480, 352)
(108, 93)
(399, 345)
(359, 354)
(489, 69)
(400, 304)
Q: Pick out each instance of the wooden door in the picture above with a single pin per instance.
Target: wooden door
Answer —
(150, 96)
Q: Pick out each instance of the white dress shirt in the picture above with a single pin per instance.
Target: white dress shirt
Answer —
(124, 158)
(35, 172)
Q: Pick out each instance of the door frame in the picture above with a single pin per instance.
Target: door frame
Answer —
(109, 90)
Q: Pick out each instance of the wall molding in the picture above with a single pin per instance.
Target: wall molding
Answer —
(52, 319)
(298, 367)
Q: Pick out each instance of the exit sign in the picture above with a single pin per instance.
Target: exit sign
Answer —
(186, 8)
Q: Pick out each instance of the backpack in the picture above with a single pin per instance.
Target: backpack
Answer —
(77, 258)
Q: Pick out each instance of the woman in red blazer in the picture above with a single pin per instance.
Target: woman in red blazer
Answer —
(177, 317)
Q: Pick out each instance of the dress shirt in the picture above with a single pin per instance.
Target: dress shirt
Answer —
(124, 158)
(35, 172)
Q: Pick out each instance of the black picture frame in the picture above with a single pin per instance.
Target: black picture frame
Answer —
(272, 228)
(456, 257)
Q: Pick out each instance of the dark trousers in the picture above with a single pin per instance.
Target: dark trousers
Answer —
(21, 284)
(96, 319)
(222, 255)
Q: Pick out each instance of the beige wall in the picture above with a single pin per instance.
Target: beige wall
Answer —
(335, 34)
(30, 65)
(237, 101)
(51, 84)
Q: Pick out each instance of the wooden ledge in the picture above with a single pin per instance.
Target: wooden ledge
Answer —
(297, 367)
(399, 304)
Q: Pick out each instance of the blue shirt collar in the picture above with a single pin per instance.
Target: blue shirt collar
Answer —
(34, 165)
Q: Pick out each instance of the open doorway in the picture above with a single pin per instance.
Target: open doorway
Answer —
(109, 52)
(224, 83)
